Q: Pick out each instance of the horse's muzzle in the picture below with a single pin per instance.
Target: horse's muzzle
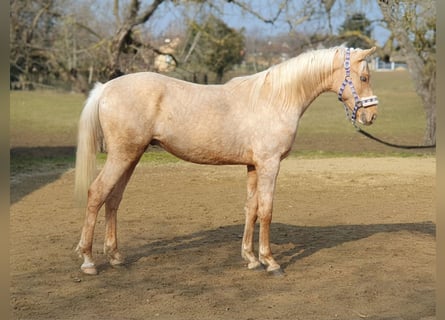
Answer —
(367, 116)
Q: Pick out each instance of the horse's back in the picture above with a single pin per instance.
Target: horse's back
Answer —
(148, 87)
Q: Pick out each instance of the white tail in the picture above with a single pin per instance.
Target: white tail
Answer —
(89, 139)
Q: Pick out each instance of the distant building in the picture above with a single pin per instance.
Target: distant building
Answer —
(389, 58)
(393, 64)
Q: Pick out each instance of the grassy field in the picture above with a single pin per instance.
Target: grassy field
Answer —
(43, 126)
(44, 118)
(400, 120)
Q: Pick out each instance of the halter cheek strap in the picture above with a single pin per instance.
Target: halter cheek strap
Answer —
(358, 103)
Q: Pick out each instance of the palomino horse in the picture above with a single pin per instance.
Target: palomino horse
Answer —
(250, 121)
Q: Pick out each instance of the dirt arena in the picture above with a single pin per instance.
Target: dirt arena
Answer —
(355, 237)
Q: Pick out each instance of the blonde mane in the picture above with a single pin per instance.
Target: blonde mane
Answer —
(290, 83)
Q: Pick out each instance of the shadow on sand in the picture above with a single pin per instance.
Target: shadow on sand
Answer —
(34, 167)
(300, 241)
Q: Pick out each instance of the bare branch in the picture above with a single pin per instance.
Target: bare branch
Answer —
(148, 12)
(248, 9)
(116, 11)
(36, 19)
(94, 33)
(134, 9)
(192, 47)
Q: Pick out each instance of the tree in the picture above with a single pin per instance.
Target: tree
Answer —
(413, 25)
(47, 46)
(219, 47)
(32, 24)
(50, 42)
(125, 38)
(328, 4)
(356, 29)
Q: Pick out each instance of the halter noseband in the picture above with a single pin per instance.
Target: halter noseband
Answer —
(358, 103)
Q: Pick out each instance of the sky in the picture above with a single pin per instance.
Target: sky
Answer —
(168, 15)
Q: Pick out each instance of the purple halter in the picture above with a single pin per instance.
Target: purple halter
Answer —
(358, 103)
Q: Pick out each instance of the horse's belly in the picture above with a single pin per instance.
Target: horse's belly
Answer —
(205, 153)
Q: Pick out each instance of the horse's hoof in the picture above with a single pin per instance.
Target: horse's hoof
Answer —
(276, 272)
(118, 266)
(89, 269)
(116, 262)
(255, 266)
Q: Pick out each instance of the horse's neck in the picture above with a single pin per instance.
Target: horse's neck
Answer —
(313, 85)
(321, 87)
(310, 90)
(302, 80)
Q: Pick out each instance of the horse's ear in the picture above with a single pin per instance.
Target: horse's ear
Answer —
(363, 54)
(371, 51)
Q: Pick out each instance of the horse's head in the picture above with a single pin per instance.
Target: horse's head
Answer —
(352, 83)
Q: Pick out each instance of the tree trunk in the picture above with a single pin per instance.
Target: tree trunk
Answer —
(430, 110)
(424, 76)
(123, 35)
(117, 47)
(219, 75)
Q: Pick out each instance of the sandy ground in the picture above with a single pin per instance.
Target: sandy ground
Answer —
(355, 236)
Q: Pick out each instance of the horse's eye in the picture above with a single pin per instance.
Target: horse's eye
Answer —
(363, 78)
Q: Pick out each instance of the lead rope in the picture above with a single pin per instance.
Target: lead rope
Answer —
(389, 144)
(364, 102)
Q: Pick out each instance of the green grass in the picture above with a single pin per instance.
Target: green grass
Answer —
(401, 120)
(44, 118)
(41, 122)
(26, 163)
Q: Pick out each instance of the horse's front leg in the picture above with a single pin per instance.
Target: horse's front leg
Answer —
(251, 209)
(267, 175)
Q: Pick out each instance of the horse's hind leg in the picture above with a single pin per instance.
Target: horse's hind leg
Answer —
(111, 207)
(113, 171)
